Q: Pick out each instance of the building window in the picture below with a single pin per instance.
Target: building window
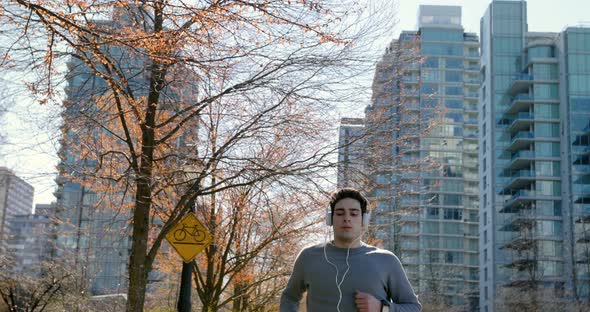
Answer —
(453, 214)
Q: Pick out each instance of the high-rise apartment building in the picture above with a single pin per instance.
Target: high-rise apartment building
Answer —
(535, 184)
(94, 220)
(31, 240)
(423, 180)
(16, 198)
(351, 171)
(93, 231)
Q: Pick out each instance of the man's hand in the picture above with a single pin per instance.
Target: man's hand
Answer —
(366, 302)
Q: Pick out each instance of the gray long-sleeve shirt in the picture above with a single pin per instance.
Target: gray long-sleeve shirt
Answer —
(372, 270)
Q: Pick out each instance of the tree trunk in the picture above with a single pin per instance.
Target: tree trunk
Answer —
(138, 269)
(139, 264)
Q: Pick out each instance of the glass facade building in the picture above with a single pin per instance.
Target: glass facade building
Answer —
(93, 228)
(351, 143)
(532, 193)
(16, 198)
(428, 214)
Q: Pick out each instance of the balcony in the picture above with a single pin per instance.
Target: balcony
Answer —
(519, 243)
(526, 208)
(520, 179)
(410, 79)
(471, 55)
(471, 108)
(411, 106)
(522, 264)
(472, 81)
(471, 94)
(520, 102)
(520, 197)
(522, 278)
(410, 93)
(523, 154)
(521, 140)
(546, 60)
(523, 220)
(584, 237)
(584, 199)
(583, 217)
(521, 120)
(411, 66)
(583, 157)
(472, 68)
(583, 256)
(582, 214)
(521, 83)
(582, 170)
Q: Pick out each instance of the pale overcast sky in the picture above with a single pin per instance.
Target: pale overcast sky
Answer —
(543, 15)
(36, 165)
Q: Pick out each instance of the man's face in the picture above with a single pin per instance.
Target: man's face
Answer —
(347, 221)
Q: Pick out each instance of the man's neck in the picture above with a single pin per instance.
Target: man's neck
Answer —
(347, 244)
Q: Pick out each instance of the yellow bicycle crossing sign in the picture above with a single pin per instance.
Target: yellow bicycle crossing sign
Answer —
(189, 237)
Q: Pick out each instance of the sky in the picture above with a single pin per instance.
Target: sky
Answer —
(31, 149)
(543, 15)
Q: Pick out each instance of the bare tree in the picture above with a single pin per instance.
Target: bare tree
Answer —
(56, 285)
(227, 79)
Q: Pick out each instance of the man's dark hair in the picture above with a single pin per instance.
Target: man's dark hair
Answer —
(348, 193)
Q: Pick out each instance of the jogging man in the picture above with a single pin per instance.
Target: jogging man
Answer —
(347, 275)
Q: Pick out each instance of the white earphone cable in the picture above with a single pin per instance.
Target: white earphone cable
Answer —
(339, 284)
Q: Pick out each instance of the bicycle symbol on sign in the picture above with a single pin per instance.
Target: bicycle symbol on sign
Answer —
(198, 235)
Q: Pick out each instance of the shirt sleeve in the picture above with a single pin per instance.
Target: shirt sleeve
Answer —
(400, 291)
(295, 287)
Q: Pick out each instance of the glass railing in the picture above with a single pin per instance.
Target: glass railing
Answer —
(409, 79)
(582, 169)
(523, 193)
(524, 115)
(471, 107)
(523, 154)
(472, 190)
(412, 106)
(523, 135)
(522, 173)
(472, 67)
(474, 81)
(521, 77)
(521, 116)
(471, 94)
(522, 97)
